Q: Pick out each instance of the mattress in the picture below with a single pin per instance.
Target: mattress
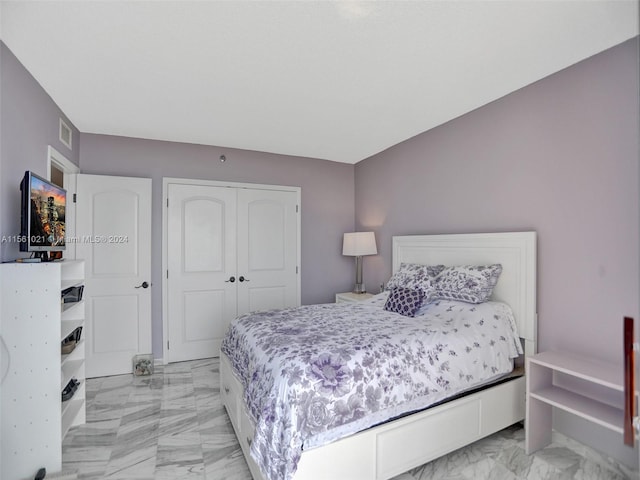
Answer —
(316, 373)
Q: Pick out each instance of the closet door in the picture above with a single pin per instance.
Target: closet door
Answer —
(201, 276)
(267, 249)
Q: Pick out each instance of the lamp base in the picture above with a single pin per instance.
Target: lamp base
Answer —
(359, 288)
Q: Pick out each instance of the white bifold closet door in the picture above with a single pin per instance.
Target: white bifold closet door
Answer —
(230, 251)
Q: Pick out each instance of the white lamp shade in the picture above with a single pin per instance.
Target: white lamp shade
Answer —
(359, 243)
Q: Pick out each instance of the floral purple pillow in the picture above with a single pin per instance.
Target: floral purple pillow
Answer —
(415, 276)
(405, 301)
(467, 283)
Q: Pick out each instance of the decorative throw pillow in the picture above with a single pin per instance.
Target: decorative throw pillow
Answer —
(467, 283)
(405, 301)
(415, 276)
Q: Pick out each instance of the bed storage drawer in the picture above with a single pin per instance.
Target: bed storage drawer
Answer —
(246, 430)
(447, 427)
(230, 392)
(399, 448)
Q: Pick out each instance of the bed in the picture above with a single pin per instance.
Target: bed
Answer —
(390, 446)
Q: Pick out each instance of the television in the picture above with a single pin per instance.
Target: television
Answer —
(42, 219)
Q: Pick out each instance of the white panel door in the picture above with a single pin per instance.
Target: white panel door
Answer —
(201, 261)
(113, 236)
(267, 249)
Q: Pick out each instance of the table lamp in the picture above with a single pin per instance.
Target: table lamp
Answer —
(357, 244)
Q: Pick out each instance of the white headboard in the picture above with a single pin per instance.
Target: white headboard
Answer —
(516, 252)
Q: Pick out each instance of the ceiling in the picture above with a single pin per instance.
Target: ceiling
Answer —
(332, 80)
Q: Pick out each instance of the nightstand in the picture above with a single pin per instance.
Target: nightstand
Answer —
(352, 297)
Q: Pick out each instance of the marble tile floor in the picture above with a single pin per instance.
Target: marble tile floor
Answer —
(172, 425)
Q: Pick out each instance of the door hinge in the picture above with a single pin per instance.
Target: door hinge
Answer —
(167, 273)
(296, 269)
(296, 208)
(167, 202)
(74, 198)
(167, 344)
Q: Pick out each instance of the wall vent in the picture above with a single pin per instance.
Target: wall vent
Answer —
(66, 134)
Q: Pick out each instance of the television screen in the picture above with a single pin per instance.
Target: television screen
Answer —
(43, 215)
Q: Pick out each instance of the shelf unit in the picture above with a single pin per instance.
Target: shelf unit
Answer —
(33, 321)
(72, 365)
(602, 405)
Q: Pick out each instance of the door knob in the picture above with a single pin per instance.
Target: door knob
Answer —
(231, 279)
(143, 285)
(242, 279)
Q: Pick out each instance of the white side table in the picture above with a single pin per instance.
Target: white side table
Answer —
(543, 393)
(352, 297)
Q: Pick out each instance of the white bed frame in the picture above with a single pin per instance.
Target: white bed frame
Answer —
(394, 447)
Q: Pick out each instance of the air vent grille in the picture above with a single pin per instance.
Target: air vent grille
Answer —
(66, 134)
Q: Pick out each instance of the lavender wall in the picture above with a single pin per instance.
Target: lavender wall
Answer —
(327, 201)
(559, 157)
(29, 123)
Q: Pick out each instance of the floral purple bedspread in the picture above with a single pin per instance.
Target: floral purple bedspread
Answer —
(316, 373)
